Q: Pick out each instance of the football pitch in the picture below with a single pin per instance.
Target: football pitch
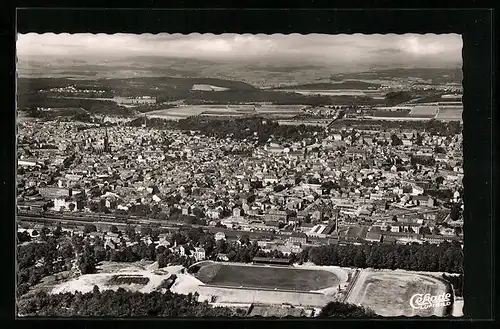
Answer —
(388, 293)
(267, 277)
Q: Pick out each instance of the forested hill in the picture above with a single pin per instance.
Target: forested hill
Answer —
(165, 89)
(434, 75)
(183, 83)
(349, 84)
(25, 84)
(438, 75)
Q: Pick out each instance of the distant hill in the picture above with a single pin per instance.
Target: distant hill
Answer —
(35, 84)
(350, 84)
(184, 83)
(165, 89)
(242, 74)
(436, 75)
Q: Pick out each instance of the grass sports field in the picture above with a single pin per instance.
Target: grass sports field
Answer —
(389, 293)
(266, 277)
(424, 111)
(450, 113)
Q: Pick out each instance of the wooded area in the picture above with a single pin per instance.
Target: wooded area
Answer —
(121, 303)
(445, 257)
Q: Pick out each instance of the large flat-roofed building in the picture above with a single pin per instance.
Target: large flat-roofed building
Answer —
(28, 163)
(54, 192)
(298, 237)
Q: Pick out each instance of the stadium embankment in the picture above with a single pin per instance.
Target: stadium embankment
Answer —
(224, 294)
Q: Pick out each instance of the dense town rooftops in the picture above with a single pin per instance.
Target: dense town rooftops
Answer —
(186, 171)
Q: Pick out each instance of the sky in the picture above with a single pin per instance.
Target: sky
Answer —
(356, 49)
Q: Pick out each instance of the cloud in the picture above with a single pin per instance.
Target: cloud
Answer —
(357, 49)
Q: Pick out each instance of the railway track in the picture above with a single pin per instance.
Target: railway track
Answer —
(67, 221)
(72, 221)
(76, 220)
(98, 218)
(62, 220)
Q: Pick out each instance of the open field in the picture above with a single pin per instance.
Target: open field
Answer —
(452, 96)
(403, 118)
(280, 108)
(176, 113)
(141, 277)
(337, 85)
(315, 123)
(266, 277)
(23, 118)
(203, 87)
(424, 111)
(279, 111)
(328, 92)
(271, 111)
(450, 113)
(388, 293)
(413, 113)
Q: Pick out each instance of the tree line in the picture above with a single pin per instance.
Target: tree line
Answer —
(345, 310)
(445, 257)
(121, 303)
(94, 106)
(457, 281)
(37, 259)
(433, 127)
(55, 252)
(91, 254)
(248, 128)
(245, 96)
(124, 303)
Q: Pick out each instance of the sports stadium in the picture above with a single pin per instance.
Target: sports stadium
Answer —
(306, 286)
(271, 288)
(389, 292)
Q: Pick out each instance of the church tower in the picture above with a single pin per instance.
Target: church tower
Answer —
(107, 148)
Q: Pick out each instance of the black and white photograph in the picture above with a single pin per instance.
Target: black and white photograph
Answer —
(239, 175)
